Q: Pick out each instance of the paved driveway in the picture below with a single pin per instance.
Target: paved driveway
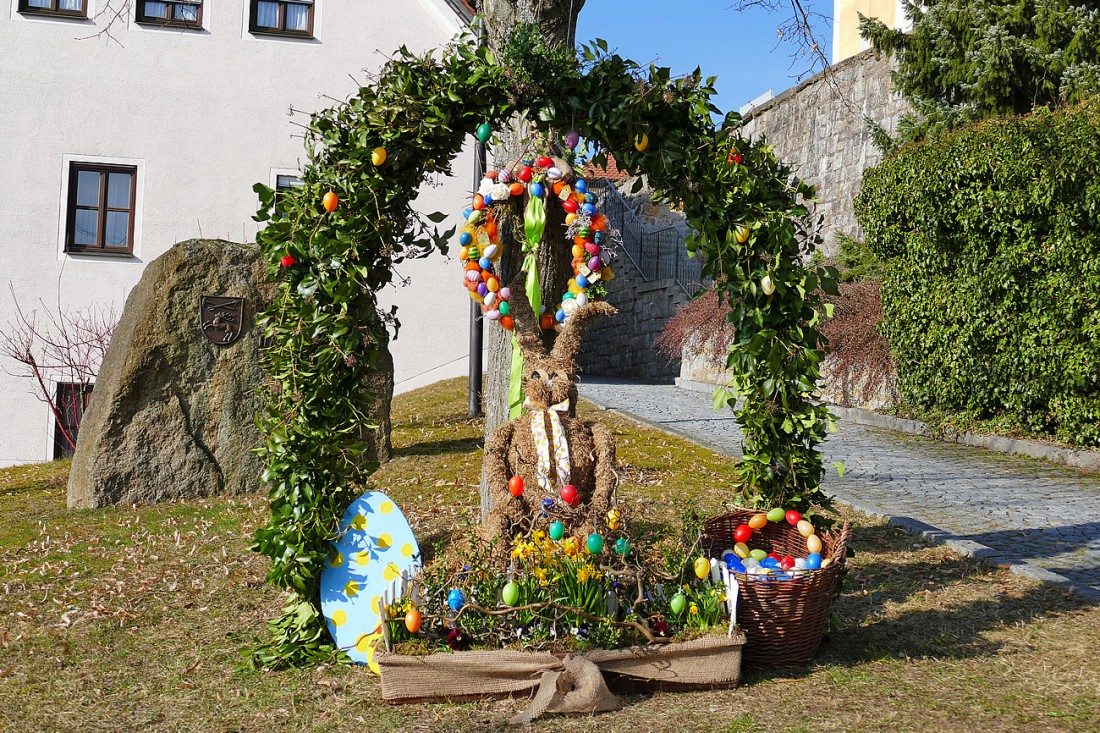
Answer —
(1042, 519)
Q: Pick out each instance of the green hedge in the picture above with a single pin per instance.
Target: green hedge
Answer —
(991, 293)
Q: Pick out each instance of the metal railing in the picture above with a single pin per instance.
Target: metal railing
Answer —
(658, 254)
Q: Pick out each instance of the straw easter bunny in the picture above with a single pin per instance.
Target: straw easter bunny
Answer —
(549, 447)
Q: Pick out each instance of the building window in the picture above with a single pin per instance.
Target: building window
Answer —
(101, 209)
(170, 13)
(284, 183)
(281, 17)
(61, 8)
(71, 402)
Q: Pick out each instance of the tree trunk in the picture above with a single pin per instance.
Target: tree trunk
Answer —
(557, 19)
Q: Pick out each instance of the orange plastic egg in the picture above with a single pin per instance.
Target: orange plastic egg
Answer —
(479, 202)
(516, 189)
(464, 253)
(758, 521)
(330, 201)
(546, 322)
(413, 619)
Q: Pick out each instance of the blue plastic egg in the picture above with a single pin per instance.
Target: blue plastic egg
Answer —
(589, 209)
(598, 238)
(770, 563)
(536, 190)
(485, 263)
(580, 186)
(547, 504)
(813, 561)
(560, 316)
(466, 213)
(465, 238)
(456, 599)
(582, 281)
(488, 198)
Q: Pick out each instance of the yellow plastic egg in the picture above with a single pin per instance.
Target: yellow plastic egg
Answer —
(570, 218)
(741, 550)
(378, 156)
(641, 142)
(826, 562)
(702, 568)
(805, 528)
(813, 543)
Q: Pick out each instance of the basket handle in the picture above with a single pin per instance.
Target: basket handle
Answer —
(840, 547)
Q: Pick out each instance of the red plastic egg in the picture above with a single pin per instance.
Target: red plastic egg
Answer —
(287, 261)
(742, 534)
(525, 173)
(570, 206)
(569, 494)
(515, 485)
(786, 563)
(544, 161)
(793, 517)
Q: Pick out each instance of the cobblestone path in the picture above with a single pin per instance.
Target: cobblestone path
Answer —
(1042, 519)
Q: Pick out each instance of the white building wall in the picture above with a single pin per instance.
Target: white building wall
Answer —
(204, 116)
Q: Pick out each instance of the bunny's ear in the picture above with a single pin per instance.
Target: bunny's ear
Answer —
(568, 343)
(526, 324)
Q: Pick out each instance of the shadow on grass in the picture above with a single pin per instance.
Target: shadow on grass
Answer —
(439, 447)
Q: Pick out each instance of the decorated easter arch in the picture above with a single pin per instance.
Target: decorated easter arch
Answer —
(331, 254)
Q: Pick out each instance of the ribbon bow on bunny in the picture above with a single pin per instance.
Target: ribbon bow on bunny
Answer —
(542, 445)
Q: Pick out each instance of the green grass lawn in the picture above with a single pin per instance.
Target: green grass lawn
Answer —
(133, 618)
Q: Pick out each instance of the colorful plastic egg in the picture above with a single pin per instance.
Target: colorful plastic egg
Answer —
(482, 289)
(572, 139)
(413, 620)
(492, 315)
(776, 515)
(582, 299)
(330, 201)
(510, 594)
(484, 132)
(547, 503)
(489, 299)
(580, 186)
(750, 562)
(741, 550)
(757, 554)
(515, 485)
(560, 316)
(793, 518)
(702, 568)
(516, 189)
(505, 293)
(553, 174)
(678, 603)
(805, 528)
(570, 206)
(813, 543)
(504, 176)
(588, 209)
(378, 156)
(582, 281)
(485, 263)
(592, 248)
(503, 307)
(622, 547)
(758, 521)
(456, 599)
(594, 264)
(743, 533)
(556, 531)
(569, 494)
(787, 562)
(595, 544)
(537, 190)
(826, 562)
(641, 142)
(525, 174)
(813, 561)
(544, 161)
(491, 251)
(464, 239)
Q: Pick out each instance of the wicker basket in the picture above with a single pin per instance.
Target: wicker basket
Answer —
(783, 620)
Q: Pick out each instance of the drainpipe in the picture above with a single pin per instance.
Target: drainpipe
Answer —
(477, 331)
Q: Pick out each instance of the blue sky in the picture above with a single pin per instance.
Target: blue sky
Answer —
(739, 48)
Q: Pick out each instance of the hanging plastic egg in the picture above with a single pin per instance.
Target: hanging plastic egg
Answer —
(378, 156)
(554, 174)
(570, 206)
(622, 547)
(330, 201)
(589, 209)
(569, 494)
(678, 603)
(544, 161)
(572, 139)
(491, 251)
(456, 599)
(580, 186)
(413, 620)
(641, 142)
(525, 173)
(556, 531)
(505, 293)
(492, 315)
(594, 264)
(702, 568)
(503, 307)
(595, 544)
(484, 132)
(515, 485)
(510, 594)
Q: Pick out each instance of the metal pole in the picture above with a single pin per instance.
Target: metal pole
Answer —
(477, 332)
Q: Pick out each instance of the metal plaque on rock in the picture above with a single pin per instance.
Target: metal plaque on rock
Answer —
(221, 318)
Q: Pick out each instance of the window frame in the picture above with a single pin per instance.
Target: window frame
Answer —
(100, 249)
(281, 30)
(54, 11)
(141, 19)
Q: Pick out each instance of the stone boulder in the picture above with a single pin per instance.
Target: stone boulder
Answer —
(173, 414)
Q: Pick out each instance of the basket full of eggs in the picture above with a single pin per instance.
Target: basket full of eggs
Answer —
(787, 575)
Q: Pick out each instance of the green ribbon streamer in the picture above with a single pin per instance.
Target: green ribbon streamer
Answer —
(534, 224)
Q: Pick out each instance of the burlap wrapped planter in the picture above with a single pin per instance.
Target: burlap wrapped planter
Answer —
(562, 683)
(784, 621)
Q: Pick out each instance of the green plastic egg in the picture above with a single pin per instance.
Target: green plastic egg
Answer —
(678, 603)
(557, 531)
(777, 515)
(510, 594)
(595, 543)
(622, 547)
(757, 555)
(484, 132)
(503, 308)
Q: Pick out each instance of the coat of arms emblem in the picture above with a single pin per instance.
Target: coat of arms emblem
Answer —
(221, 318)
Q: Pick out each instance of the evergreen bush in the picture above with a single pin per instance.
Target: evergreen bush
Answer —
(991, 291)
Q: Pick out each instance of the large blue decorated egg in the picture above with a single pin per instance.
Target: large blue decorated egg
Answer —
(375, 546)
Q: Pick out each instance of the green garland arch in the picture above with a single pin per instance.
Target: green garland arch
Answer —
(326, 333)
